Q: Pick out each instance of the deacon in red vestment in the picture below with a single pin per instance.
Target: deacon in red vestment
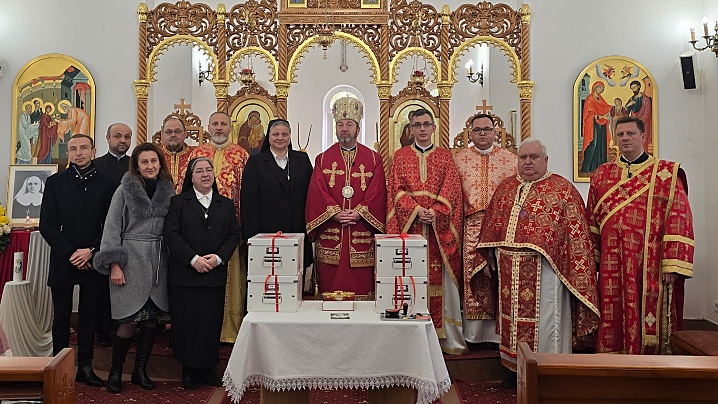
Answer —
(345, 206)
(424, 197)
(482, 167)
(643, 230)
(536, 232)
(177, 153)
(228, 160)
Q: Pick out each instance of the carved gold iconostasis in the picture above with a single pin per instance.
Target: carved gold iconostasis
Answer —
(387, 35)
(53, 99)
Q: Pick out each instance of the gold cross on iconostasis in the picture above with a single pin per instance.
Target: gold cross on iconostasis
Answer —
(484, 108)
(182, 107)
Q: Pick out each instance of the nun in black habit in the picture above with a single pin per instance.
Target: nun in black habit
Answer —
(202, 232)
(274, 187)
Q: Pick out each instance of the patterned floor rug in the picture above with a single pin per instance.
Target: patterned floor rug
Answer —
(485, 392)
(165, 392)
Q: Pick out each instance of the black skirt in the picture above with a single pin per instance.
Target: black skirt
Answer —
(196, 324)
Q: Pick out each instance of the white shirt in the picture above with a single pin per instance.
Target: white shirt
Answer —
(281, 161)
(485, 152)
(205, 201)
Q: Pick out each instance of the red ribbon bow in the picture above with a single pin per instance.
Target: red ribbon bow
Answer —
(276, 281)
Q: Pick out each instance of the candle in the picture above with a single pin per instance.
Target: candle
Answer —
(17, 266)
(693, 34)
(705, 25)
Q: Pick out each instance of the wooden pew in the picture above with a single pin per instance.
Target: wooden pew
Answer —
(608, 378)
(52, 379)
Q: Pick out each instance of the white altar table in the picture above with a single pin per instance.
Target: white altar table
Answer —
(310, 350)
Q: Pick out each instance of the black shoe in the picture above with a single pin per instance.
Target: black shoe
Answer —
(86, 375)
(189, 380)
(104, 339)
(119, 352)
(144, 348)
(209, 377)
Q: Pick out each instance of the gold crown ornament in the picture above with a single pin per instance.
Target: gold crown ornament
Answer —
(348, 108)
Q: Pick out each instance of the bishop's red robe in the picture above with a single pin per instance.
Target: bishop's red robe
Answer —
(345, 254)
(177, 164)
(525, 222)
(228, 163)
(480, 175)
(430, 180)
(643, 228)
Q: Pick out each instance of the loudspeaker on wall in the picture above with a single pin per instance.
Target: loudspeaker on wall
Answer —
(688, 70)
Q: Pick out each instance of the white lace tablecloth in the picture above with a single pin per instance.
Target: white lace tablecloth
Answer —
(26, 306)
(308, 349)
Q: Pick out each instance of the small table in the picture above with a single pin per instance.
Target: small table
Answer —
(308, 349)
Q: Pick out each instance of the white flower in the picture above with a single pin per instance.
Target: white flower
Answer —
(6, 229)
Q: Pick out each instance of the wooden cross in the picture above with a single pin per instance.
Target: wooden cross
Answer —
(182, 107)
(333, 173)
(484, 108)
(363, 176)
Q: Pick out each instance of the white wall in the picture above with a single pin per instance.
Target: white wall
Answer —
(566, 35)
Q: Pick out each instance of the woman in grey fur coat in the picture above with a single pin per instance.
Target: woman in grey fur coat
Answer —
(133, 254)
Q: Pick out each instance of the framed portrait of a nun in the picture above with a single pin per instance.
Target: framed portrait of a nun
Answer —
(26, 185)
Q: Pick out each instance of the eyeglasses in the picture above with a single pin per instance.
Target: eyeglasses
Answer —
(418, 125)
(176, 132)
(480, 130)
(201, 172)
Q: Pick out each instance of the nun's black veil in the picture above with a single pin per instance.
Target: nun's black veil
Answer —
(187, 184)
(265, 144)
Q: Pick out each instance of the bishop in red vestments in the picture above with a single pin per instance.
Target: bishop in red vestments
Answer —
(482, 167)
(345, 206)
(228, 160)
(643, 230)
(424, 197)
(536, 233)
(176, 152)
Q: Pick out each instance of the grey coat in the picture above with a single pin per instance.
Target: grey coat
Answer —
(132, 237)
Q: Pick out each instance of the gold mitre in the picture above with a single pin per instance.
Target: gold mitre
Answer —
(348, 108)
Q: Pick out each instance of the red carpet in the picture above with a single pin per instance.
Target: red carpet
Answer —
(484, 392)
(166, 392)
(251, 396)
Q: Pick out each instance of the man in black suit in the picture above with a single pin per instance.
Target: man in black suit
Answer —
(73, 212)
(116, 162)
(201, 232)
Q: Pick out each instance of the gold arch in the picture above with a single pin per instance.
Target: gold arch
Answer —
(309, 43)
(175, 40)
(251, 51)
(409, 52)
(489, 40)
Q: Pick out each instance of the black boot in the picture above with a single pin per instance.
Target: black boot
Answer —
(119, 352)
(87, 375)
(144, 348)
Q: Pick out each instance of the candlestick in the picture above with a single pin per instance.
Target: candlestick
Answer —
(705, 25)
(693, 34)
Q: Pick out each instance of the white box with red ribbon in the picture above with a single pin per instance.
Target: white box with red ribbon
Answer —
(274, 293)
(393, 291)
(280, 254)
(401, 255)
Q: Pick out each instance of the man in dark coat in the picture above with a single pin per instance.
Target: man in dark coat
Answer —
(73, 212)
(116, 162)
(201, 232)
(274, 188)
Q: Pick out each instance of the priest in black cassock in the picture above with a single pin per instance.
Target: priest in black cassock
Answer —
(201, 232)
(274, 187)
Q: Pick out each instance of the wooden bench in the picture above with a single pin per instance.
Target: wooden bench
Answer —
(694, 342)
(29, 378)
(608, 378)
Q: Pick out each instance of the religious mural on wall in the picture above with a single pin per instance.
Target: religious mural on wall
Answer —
(607, 89)
(54, 99)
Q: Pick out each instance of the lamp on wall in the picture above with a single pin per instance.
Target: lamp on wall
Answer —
(474, 77)
(204, 74)
(711, 40)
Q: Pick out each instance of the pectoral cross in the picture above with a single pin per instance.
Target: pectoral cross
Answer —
(484, 108)
(361, 174)
(334, 172)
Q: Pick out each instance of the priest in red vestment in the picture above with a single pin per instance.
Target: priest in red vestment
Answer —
(482, 167)
(177, 153)
(643, 229)
(424, 197)
(536, 234)
(228, 161)
(345, 206)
